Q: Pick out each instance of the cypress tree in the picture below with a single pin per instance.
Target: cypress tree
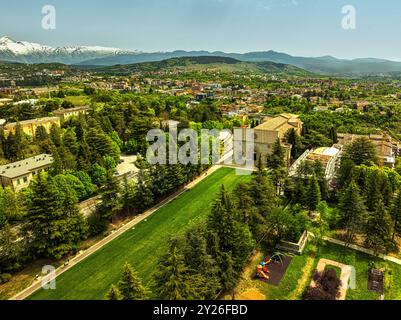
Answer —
(313, 194)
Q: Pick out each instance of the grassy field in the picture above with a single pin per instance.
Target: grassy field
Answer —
(299, 274)
(142, 247)
(78, 101)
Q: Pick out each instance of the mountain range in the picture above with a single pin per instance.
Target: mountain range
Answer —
(201, 63)
(94, 56)
(27, 52)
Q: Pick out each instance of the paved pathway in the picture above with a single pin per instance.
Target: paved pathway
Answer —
(36, 285)
(364, 250)
(344, 277)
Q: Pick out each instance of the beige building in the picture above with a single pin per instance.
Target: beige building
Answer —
(29, 126)
(67, 113)
(19, 174)
(271, 129)
(267, 133)
(387, 148)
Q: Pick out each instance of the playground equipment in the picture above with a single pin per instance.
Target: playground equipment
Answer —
(262, 270)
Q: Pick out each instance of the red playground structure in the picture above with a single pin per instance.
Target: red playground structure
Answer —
(262, 270)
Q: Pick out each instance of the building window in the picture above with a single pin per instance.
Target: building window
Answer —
(25, 179)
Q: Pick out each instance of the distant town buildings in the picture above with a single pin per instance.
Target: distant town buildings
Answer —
(19, 174)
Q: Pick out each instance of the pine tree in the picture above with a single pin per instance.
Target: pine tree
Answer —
(143, 198)
(55, 224)
(11, 207)
(83, 160)
(13, 252)
(41, 134)
(396, 215)
(70, 141)
(101, 145)
(276, 159)
(128, 196)
(114, 293)
(373, 194)
(110, 204)
(313, 195)
(229, 275)
(232, 235)
(379, 229)
(361, 151)
(200, 260)
(263, 193)
(171, 279)
(244, 202)
(57, 165)
(352, 210)
(130, 285)
(19, 144)
(55, 135)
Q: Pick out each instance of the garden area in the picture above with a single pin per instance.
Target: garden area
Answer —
(300, 271)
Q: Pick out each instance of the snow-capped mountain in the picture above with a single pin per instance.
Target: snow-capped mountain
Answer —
(27, 52)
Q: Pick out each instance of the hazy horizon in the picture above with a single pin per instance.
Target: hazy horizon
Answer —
(307, 28)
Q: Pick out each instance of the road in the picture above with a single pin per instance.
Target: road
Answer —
(37, 284)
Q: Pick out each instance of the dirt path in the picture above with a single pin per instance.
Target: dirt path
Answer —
(36, 285)
(305, 277)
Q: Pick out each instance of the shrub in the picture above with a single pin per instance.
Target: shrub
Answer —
(97, 224)
(5, 277)
(327, 286)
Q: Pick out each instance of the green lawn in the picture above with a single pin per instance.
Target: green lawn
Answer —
(78, 101)
(299, 274)
(141, 247)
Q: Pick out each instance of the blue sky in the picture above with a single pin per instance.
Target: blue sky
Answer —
(298, 27)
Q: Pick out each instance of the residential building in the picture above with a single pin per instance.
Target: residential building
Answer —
(67, 113)
(19, 174)
(29, 126)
